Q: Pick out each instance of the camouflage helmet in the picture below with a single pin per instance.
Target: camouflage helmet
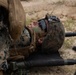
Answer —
(55, 34)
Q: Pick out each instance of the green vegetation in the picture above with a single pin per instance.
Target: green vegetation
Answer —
(70, 24)
(28, 21)
(68, 43)
(60, 2)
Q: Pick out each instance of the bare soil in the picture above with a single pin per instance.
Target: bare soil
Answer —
(66, 11)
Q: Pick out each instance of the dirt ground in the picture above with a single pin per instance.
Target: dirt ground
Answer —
(66, 11)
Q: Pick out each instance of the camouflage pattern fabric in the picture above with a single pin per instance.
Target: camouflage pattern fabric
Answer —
(4, 49)
(4, 38)
(14, 23)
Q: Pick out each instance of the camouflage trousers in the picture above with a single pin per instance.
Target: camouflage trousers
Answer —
(4, 47)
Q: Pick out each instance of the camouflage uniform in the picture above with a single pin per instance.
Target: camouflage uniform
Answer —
(4, 48)
(12, 22)
(4, 38)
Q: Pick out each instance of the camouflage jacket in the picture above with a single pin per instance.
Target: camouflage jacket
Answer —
(11, 23)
